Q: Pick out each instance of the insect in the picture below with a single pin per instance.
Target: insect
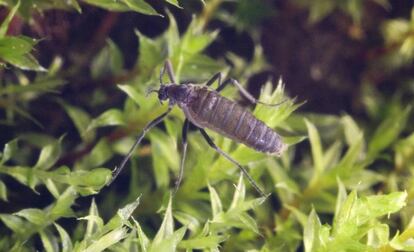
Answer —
(206, 108)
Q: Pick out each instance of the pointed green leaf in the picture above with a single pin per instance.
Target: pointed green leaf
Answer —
(188, 220)
(251, 204)
(62, 207)
(35, 216)
(311, 232)
(194, 41)
(332, 154)
(24, 175)
(122, 217)
(65, 241)
(282, 180)
(380, 205)
(163, 146)
(387, 132)
(109, 4)
(52, 188)
(320, 9)
(10, 149)
(316, 147)
(108, 62)
(208, 242)
(403, 241)
(170, 243)
(94, 222)
(76, 5)
(239, 194)
(16, 45)
(346, 167)
(17, 224)
(150, 56)
(49, 241)
(404, 151)
(108, 240)
(95, 178)
(3, 191)
(275, 116)
(100, 153)
(249, 222)
(379, 235)
(216, 205)
(23, 61)
(143, 239)
(342, 205)
(175, 3)
(172, 36)
(167, 226)
(24, 114)
(300, 216)
(294, 139)
(81, 119)
(40, 86)
(141, 6)
(126, 212)
(110, 117)
(132, 93)
(340, 199)
(5, 25)
(352, 131)
(199, 67)
(49, 155)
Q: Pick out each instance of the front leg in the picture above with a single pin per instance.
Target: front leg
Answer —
(149, 126)
(217, 76)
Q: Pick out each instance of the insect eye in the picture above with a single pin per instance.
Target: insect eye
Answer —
(162, 95)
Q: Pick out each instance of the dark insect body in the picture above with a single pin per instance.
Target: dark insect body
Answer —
(206, 108)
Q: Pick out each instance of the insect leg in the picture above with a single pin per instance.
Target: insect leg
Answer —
(168, 67)
(245, 93)
(184, 144)
(217, 76)
(221, 152)
(151, 124)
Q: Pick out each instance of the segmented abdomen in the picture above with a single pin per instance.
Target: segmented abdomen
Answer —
(208, 109)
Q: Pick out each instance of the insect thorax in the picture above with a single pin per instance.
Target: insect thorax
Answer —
(179, 94)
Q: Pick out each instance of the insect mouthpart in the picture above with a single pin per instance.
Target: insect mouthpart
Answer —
(162, 92)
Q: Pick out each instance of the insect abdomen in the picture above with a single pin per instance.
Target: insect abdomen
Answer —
(210, 110)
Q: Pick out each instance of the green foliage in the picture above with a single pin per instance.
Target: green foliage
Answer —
(348, 187)
(140, 6)
(322, 8)
(356, 219)
(83, 181)
(16, 50)
(398, 36)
